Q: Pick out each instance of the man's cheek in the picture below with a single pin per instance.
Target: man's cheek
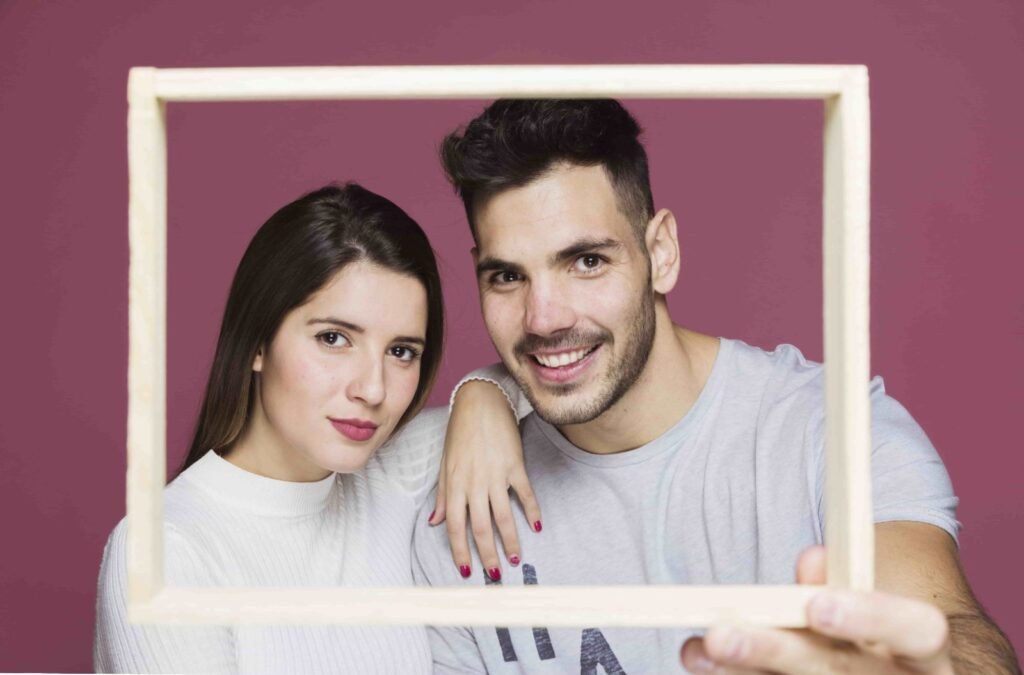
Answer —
(499, 318)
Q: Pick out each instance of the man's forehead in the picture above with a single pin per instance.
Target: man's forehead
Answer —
(550, 213)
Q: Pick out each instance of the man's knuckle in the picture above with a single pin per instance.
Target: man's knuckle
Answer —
(935, 631)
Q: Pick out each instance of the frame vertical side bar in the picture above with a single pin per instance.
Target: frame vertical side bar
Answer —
(147, 334)
(849, 533)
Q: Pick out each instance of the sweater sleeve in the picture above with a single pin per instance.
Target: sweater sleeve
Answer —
(413, 455)
(120, 646)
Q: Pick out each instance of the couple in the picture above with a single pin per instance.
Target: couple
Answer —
(660, 455)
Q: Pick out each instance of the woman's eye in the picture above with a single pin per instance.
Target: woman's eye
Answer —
(588, 263)
(403, 353)
(332, 338)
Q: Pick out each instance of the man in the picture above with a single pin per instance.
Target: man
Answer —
(665, 456)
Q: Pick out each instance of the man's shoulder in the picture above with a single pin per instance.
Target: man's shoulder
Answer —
(777, 376)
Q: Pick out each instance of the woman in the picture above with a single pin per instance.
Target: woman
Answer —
(330, 342)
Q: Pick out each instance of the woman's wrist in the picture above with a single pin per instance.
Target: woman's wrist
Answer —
(480, 390)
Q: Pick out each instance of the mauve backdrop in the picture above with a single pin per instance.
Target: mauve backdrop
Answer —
(743, 178)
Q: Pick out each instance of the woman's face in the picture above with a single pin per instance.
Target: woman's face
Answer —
(340, 372)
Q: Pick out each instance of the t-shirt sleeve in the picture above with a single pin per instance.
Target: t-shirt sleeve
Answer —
(454, 648)
(908, 479)
(123, 647)
(412, 457)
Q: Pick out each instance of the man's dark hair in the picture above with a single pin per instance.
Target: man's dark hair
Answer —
(515, 141)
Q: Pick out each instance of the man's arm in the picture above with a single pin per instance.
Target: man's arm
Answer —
(921, 561)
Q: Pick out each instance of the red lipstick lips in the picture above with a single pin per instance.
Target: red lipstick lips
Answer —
(356, 430)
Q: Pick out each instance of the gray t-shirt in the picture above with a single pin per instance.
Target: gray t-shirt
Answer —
(729, 495)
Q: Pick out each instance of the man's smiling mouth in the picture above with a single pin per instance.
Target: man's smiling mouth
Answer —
(563, 359)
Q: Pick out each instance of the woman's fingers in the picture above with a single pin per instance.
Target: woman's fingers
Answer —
(483, 535)
(520, 482)
(441, 499)
(501, 508)
(458, 538)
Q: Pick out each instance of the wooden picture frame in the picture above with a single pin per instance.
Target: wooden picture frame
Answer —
(849, 528)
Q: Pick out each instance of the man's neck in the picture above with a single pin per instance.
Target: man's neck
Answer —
(676, 371)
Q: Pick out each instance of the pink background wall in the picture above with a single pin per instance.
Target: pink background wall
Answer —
(743, 178)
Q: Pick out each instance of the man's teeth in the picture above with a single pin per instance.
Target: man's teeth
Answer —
(563, 359)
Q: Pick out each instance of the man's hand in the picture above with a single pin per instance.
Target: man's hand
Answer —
(877, 633)
(483, 458)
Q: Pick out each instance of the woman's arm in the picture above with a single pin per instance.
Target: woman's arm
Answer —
(123, 647)
(483, 459)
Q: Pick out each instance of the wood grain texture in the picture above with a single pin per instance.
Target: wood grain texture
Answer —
(849, 531)
(461, 82)
(484, 606)
(147, 333)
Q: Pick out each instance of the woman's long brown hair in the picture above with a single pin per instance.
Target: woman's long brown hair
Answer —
(294, 254)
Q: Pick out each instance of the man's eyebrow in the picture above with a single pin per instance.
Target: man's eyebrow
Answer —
(356, 328)
(485, 265)
(582, 246)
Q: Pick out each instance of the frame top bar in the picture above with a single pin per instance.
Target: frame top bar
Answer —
(485, 82)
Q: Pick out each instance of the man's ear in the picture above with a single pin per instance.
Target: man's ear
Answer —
(662, 240)
(257, 363)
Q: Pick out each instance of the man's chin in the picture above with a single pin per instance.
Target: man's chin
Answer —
(565, 409)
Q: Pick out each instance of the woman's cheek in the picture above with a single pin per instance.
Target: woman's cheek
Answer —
(407, 383)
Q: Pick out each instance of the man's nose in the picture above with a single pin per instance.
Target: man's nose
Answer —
(367, 384)
(547, 309)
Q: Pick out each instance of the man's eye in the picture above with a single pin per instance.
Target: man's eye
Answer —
(505, 277)
(403, 353)
(588, 263)
(332, 338)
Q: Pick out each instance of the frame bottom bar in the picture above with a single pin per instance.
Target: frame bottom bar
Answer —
(638, 606)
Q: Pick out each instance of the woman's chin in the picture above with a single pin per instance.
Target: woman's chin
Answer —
(346, 460)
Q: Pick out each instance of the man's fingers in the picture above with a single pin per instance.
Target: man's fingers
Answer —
(788, 651)
(521, 484)
(501, 507)
(696, 660)
(483, 535)
(910, 629)
(810, 566)
(458, 538)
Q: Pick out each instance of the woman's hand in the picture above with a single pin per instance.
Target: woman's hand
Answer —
(483, 458)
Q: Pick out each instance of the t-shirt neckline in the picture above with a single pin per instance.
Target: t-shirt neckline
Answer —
(671, 439)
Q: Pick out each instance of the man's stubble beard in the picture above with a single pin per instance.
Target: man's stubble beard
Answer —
(618, 378)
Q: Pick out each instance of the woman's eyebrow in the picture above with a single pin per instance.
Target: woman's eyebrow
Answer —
(355, 328)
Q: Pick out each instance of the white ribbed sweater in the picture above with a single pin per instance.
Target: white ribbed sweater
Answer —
(225, 526)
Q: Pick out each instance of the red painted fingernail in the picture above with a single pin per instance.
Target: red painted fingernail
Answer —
(494, 573)
(464, 571)
(537, 527)
(514, 560)
(431, 518)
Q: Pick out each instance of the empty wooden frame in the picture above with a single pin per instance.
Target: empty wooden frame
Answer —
(849, 527)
